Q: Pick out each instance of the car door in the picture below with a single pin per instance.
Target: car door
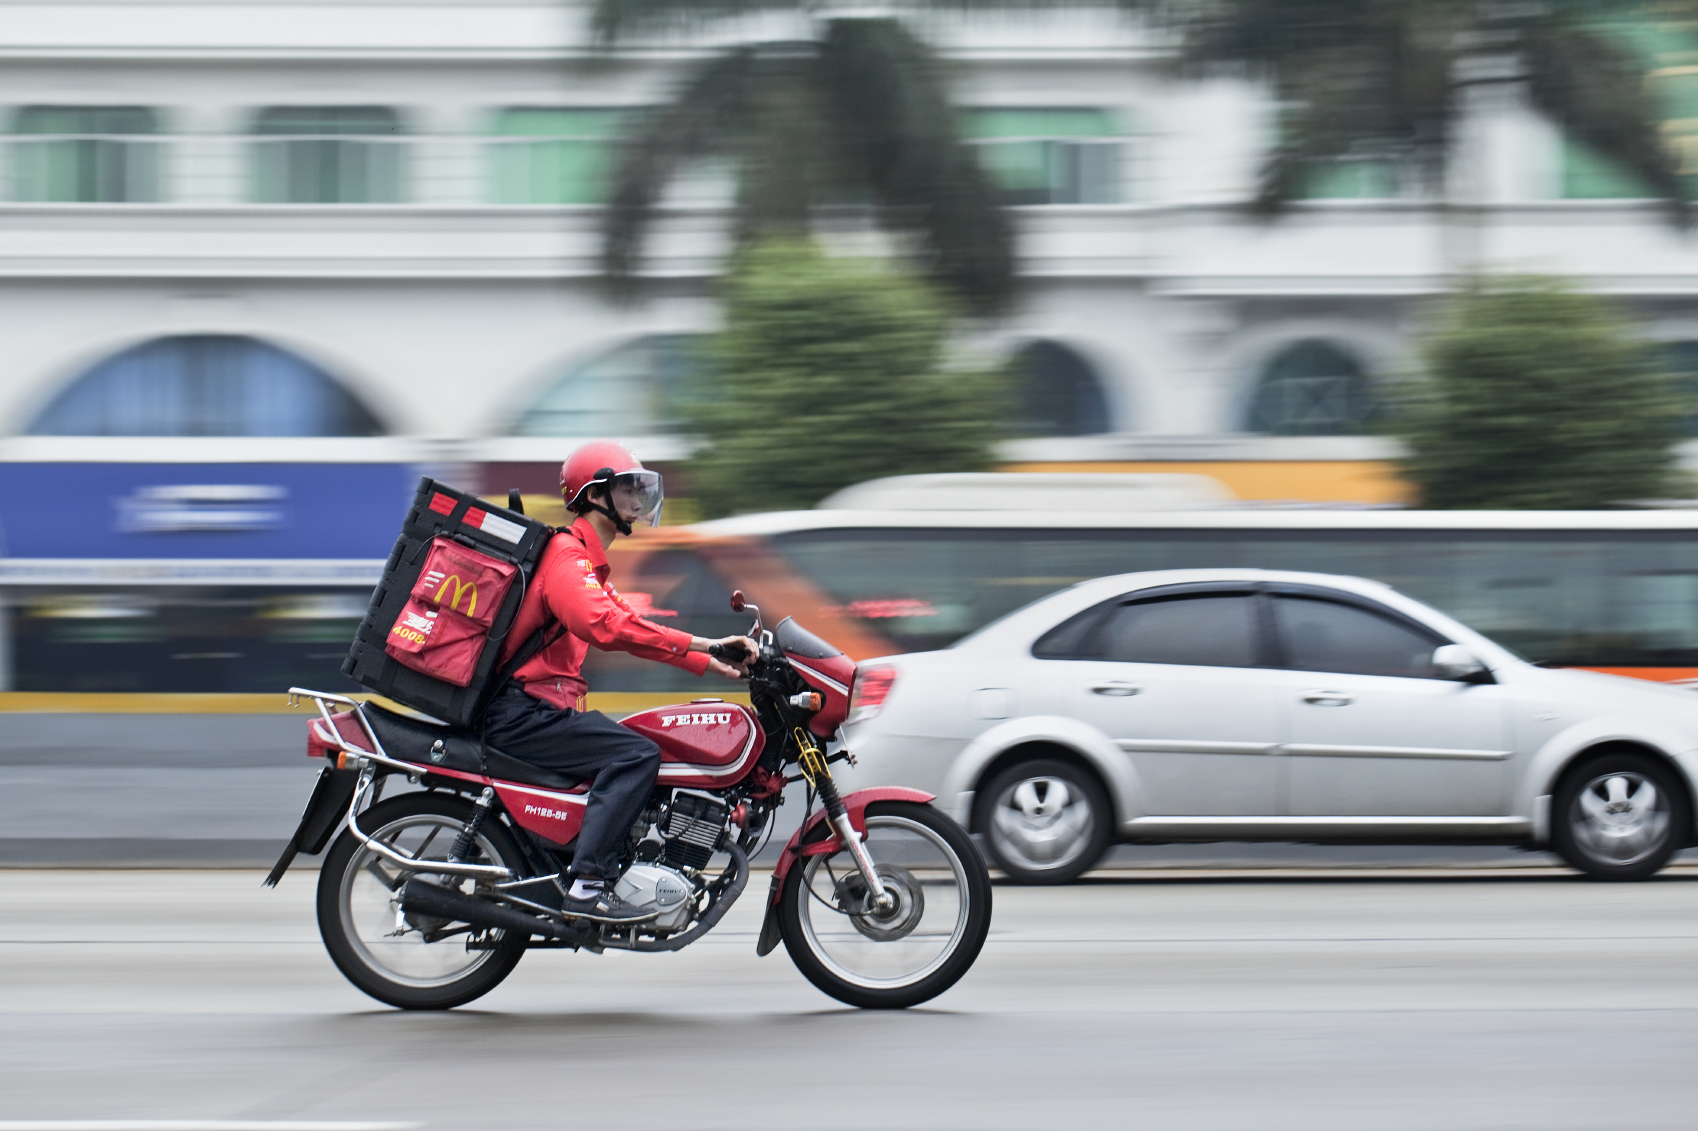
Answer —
(1177, 681)
(1372, 730)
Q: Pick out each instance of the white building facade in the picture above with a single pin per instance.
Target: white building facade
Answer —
(276, 230)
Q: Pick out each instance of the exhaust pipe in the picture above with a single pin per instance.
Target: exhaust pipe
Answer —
(426, 898)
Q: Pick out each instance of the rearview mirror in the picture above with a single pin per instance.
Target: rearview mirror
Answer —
(1453, 661)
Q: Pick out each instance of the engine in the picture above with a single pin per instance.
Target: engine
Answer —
(655, 887)
(692, 828)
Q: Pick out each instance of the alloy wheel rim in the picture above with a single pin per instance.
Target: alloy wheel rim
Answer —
(1042, 824)
(1620, 818)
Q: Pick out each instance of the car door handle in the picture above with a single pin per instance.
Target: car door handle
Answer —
(1327, 698)
(1115, 687)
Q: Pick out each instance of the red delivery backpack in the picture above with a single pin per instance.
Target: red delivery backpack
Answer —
(442, 630)
(450, 591)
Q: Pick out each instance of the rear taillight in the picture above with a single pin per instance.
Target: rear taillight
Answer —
(872, 687)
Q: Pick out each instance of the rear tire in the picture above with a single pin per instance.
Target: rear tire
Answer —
(915, 952)
(358, 919)
(1620, 816)
(1045, 821)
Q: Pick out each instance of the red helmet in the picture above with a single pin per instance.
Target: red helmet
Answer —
(610, 464)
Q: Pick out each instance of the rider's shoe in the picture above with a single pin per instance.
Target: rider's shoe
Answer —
(605, 907)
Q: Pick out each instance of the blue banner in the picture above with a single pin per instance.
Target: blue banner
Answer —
(202, 510)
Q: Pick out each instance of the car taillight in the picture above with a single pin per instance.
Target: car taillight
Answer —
(872, 686)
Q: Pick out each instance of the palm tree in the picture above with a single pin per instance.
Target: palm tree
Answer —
(1389, 80)
(857, 115)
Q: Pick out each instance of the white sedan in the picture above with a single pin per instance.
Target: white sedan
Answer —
(1212, 705)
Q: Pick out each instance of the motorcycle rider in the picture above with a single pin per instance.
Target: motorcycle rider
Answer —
(539, 714)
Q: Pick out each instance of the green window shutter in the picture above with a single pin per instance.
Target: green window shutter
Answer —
(1048, 155)
(82, 158)
(1044, 123)
(1667, 48)
(316, 155)
(1358, 179)
(557, 155)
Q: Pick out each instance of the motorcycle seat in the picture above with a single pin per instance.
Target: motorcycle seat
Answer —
(436, 744)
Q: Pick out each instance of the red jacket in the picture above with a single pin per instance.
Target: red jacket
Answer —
(571, 583)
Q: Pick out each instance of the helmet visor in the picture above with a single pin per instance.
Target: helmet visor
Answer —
(642, 489)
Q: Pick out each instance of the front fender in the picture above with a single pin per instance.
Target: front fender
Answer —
(1551, 759)
(856, 803)
(964, 775)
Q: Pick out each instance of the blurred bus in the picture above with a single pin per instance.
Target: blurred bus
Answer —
(1613, 591)
(229, 578)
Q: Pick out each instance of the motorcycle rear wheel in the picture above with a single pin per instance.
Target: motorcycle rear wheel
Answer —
(383, 952)
(916, 951)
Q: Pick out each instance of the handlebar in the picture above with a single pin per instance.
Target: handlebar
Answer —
(730, 653)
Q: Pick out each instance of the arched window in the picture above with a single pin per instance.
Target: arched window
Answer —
(641, 388)
(1058, 393)
(1680, 360)
(205, 385)
(1312, 389)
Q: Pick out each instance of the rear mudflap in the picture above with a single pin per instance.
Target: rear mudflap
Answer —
(325, 808)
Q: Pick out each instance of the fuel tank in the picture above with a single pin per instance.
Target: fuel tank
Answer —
(704, 744)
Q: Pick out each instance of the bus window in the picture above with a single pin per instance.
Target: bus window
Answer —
(1573, 598)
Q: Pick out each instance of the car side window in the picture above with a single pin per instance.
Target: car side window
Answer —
(1325, 636)
(1206, 630)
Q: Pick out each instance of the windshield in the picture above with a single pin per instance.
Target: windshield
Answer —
(798, 641)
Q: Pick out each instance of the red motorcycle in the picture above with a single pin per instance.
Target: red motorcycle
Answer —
(429, 898)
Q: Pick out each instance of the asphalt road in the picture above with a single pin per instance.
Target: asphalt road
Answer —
(1456, 1000)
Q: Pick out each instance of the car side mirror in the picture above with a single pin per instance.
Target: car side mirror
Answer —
(1453, 661)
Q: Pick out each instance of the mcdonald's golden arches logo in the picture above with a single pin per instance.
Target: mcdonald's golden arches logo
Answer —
(461, 589)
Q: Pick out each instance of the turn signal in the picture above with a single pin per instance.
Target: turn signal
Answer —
(872, 687)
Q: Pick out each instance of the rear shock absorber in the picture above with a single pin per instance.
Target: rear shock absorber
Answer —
(463, 842)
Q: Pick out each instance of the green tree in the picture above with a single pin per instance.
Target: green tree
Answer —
(829, 372)
(1537, 397)
(856, 115)
(1386, 81)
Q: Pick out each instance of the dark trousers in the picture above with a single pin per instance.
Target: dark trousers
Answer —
(581, 744)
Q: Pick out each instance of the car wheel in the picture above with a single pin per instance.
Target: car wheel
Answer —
(1620, 816)
(1044, 821)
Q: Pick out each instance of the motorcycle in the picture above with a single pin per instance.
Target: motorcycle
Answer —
(429, 898)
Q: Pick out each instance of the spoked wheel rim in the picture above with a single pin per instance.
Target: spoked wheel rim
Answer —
(392, 943)
(926, 927)
(1042, 823)
(1620, 817)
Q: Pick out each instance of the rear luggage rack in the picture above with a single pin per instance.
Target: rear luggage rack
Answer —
(364, 760)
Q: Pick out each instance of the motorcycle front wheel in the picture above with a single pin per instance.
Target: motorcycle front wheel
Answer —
(910, 952)
(408, 961)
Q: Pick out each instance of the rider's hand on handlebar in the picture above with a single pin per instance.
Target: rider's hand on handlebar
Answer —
(732, 655)
(720, 667)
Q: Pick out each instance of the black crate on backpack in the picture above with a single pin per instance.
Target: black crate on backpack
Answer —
(440, 511)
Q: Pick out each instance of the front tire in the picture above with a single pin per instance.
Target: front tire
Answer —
(397, 959)
(1045, 821)
(923, 945)
(1620, 816)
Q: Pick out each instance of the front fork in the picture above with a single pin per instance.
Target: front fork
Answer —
(813, 768)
